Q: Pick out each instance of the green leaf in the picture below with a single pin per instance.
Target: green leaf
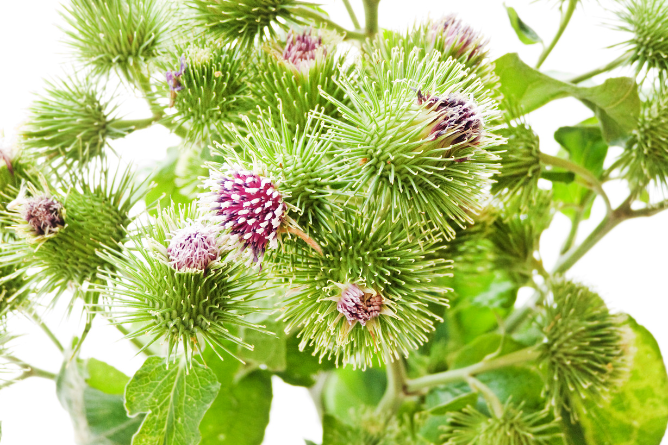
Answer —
(526, 35)
(302, 367)
(456, 404)
(346, 389)
(175, 399)
(638, 412)
(240, 413)
(165, 190)
(99, 418)
(616, 102)
(105, 377)
(269, 351)
(585, 146)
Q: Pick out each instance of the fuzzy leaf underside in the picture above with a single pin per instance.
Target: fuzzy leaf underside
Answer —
(175, 399)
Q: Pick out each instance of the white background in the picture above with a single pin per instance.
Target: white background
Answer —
(628, 268)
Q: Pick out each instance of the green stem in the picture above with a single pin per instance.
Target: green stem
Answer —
(351, 13)
(29, 371)
(565, 18)
(134, 340)
(310, 14)
(567, 261)
(34, 317)
(610, 66)
(580, 171)
(492, 400)
(158, 112)
(395, 391)
(133, 125)
(371, 17)
(457, 375)
(575, 222)
(517, 316)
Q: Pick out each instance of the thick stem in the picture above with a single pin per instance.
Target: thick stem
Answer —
(371, 17)
(567, 261)
(351, 13)
(610, 66)
(396, 384)
(580, 171)
(34, 317)
(136, 124)
(310, 14)
(565, 18)
(458, 375)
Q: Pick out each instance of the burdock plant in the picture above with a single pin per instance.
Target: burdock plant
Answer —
(363, 212)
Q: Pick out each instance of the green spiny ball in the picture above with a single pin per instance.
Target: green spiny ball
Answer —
(447, 37)
(120, 35)
(513, 426)
(416, 138)
(645, 158)
(209, 86)
(369, 290)
(62, 233)
(296, 163)
(517, 181)
(71, 123)
(586, 351)
(247, 20)
(647, 20)
(176, 285)
(293, 71)
(515, 237)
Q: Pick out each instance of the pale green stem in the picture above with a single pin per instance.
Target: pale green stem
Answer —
(565, 18)
(371, 17)
(610, 66)
(29, 371)
(395, 391)
(492, 400)
(351, 13)
(310, 14)
(585, 174)
(458, 375)
(34, 317)
(517, 317)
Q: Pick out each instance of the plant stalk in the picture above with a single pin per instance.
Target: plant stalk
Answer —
(307, 13)
(136, 124)
(395, 391)
(580, 171)
(351, 13)
(457, 375)
(610, 66)
(565, 19)
(371, 17)
(34, 317)
(567, 261)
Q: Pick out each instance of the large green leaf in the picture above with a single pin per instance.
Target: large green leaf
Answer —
(240, 413)
(269, 351)
(616, 102)
(482, 347)
(346, 389)
(175, 399)
(302, 367)
(99, 418)
(165, 189)
(524, 32)
(585, 146)
(637, 414)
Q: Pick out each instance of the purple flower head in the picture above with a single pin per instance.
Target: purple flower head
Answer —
(43, 214)
(302, 49)
(455, 117)
(173, 78)
(458, 35)
(357, 305)
(250, 207)
(193, 247)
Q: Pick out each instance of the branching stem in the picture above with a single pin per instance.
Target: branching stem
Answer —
(585, 174)
(28, 371)
(565, 19)
(458, 375)
(604, 69)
